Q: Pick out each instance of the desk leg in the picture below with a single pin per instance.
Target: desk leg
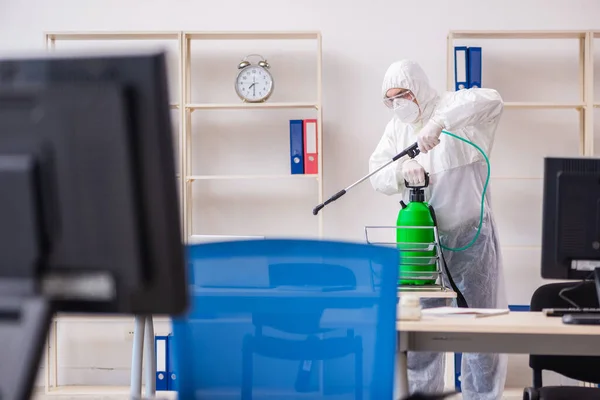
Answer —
(149, 358)
(450, 371)
(401, 384)
(137, 357)
(401, 375)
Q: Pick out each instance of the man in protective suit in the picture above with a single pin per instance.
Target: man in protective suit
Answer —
(458, 173)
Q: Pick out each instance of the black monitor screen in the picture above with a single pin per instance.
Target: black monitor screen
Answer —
(98, 130)
(571, 218)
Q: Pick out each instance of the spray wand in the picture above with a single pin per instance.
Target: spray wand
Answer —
(412, 151)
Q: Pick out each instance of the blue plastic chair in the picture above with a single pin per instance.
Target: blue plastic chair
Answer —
(287, 319)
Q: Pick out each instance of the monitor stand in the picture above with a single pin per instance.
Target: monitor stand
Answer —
(24, 325)
(597, 282)
(583, 318)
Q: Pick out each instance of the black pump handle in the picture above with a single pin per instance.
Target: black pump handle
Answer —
(418, 187)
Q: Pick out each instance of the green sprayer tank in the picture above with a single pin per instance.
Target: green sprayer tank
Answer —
(412, 234)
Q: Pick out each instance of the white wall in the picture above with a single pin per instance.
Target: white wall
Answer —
(359, 42)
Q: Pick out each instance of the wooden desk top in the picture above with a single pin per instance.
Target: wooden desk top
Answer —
(535, 323)
(444, 294)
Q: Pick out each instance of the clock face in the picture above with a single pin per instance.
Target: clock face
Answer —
(254, 84)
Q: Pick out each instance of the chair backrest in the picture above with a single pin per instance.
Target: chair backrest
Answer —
(351, 287)
(317, 274)
(582, 368)
(314, 276)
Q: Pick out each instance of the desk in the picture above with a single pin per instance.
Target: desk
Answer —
(516, 332)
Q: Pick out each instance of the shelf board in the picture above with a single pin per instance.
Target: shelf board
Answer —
(219, 177)
(518, 34)
(78, 390)
(76, 317)
(597, 105)
(200, 239)
(234, 106)
(100, 35)
(173, 106)
(266, 35)
(542, 105)
(117, 392)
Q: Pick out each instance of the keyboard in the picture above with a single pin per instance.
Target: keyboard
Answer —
(559, 312)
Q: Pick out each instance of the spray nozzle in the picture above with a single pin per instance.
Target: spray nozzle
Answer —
(412, 151)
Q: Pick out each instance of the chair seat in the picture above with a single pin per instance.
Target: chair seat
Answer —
(569, 393)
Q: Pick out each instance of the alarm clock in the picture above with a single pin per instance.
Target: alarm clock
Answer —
(254, 82)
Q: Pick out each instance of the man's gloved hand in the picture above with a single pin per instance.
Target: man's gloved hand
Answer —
(429, 136)
(413, 173)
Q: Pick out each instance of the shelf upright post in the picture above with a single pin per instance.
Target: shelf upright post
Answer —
(187, 121)
(49, 42)
(181, 133)
(320, 127)
(51, 351)
(582, 80)
(450, 62)
(588, 93)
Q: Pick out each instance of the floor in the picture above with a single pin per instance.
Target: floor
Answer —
(122, 394)
(100, 393)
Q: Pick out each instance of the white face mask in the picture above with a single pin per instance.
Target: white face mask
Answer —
(407, 111)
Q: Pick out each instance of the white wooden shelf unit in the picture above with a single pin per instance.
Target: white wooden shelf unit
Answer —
(585, 106)
(186, 106)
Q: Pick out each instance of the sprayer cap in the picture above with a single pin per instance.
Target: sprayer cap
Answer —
(417, 195)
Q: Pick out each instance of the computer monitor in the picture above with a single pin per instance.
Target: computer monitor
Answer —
(89, 217)
(571, 218)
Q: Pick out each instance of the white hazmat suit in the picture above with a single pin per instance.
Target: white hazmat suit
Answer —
(457, 176)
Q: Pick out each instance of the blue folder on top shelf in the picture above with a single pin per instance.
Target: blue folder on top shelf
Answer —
(297, 146)
(460, 68)
(474, 67)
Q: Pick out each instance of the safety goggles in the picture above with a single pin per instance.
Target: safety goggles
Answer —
(405, 94)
